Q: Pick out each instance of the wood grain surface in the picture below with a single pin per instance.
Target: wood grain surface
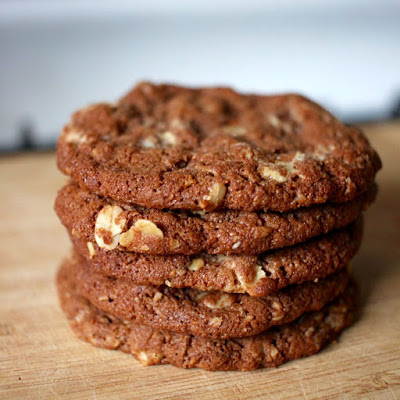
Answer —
(40, 358)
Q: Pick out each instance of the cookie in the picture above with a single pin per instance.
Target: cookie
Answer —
(147, 231)
(203, 149)
(214, 314)
(88, 322)
(303, 337)
(255, 275)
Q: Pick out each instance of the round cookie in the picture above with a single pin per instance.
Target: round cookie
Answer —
(202, 149)
(148, 231)
(257, 276)
(214, 315)
(303, 337)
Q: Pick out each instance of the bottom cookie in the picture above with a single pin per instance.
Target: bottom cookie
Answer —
(303, 337)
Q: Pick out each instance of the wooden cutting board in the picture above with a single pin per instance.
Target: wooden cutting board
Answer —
(40, 358)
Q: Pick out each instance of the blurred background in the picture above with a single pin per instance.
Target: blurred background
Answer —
(56, 56)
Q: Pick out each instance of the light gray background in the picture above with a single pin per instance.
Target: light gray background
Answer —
(57, 56)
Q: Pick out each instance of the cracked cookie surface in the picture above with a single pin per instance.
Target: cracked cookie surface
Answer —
(164, 146)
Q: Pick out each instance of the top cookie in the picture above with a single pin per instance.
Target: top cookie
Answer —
(165, 146)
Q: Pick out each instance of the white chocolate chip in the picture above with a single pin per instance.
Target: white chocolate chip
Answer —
(196, 264)
(109, 225)
(322, 151)
(289, 166)
(269, 170)
(149, 358)
(215, 197)
(148, 143)
(199, 212)
(216, 322)
(217, 193)
(168, 138)
(92, 250)
(287, 128)
(248, 318)
(224, 301)
(300, 198)
(310, 331)
(273, 351)
(274, 120)
(260, 274)
(80, 315)
(112, 342)
(278, 124)
(146, 227)
(157, 297)
(75, 232)
(75, 137)
(142, 227)
(277, 306)
(277, 317)
(349, 183)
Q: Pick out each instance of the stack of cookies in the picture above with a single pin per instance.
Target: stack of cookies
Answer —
(211, 229)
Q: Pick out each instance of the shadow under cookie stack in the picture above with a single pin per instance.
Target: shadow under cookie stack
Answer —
(211, 229)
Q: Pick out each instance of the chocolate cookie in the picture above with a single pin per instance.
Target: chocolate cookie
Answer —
(88, 322)
(257, 276)
(214, 314)
(97, 220)
(305, 336)
(202, 149)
